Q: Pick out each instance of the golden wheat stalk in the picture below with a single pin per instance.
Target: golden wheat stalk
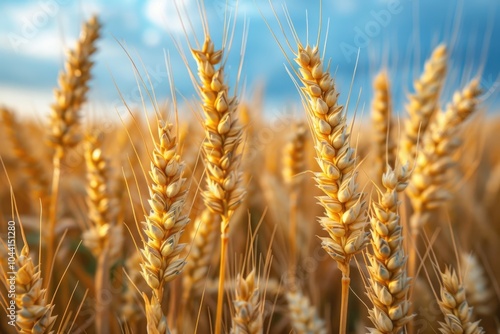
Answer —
(304, 316)
(104, 237)
(430, 182)
(204, 240)
(157, 322)
(130, 310)
(424, 102)
(104, 234)
(388, 283)
(223, 135)
(454, 306)
(293, 165)
(344, 203)
(382, 123)
(35, 312)
(72, 91)
(248, 316)
(477, 287)
(32, 166)
(70, 96)
(165, 222)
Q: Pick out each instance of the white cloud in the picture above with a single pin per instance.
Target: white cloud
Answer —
(163, 13)
(28, 101)
(46, 44)
(151, 37)
(345, 6)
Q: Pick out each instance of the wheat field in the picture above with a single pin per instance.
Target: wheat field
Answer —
(226, 221)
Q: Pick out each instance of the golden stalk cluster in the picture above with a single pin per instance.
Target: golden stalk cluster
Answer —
(111, 286)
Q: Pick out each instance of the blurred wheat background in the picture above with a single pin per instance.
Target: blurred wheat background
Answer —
(198, 185)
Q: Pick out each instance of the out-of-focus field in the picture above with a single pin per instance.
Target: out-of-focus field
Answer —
(104, 190)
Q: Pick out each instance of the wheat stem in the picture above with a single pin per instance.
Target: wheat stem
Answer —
(344, 302)
(222, 274)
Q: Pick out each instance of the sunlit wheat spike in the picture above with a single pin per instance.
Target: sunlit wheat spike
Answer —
(204, 239)
(304, 316)
(223, 134)
(294, 155)
(32, 166)
(34, 313)
(477, 286)
(382, 122)
(166, 221)
(72, 91)
(157, 322)
(454, 306)
(388, 282)
(430, 182)
(104, 233)
(130, 310)
(424, 102)
(344, 203)
(248, 318)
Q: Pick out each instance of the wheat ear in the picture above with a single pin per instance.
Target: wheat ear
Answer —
(429, 186)
(104, 237)
(430, 182)
(223, 135)
(130, 310)
(38, 177)
(424, 102)
(454, 306)
(248, 306)
(165, 222)
(476, 284)
(293, 165)
(388, 282)
(304, 316)
(35, 312)
(382, 123)
(344, 203)
(72, 91)
(70, 96)
(204, 240)
(157, 321)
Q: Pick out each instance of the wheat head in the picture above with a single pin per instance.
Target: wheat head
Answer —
(424, 102)
(304, 316)
(454, 306)
(104, 234)
(382, 122)
(248, 318)
(344, 204)
(388, 282)
(165, 222)
(204, 239)
(430, 182)
(223, 135)
(35, 312)
(72, 91)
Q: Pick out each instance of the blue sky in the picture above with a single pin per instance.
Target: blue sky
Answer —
(396, 34)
